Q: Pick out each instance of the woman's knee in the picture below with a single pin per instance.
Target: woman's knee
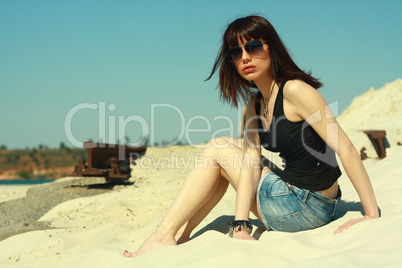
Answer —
(224, 142)
(222, 151)
(217, 146)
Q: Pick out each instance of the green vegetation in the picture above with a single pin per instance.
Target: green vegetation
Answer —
(25, 174)
(40, 163)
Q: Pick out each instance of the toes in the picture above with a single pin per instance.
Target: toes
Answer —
(127, 254)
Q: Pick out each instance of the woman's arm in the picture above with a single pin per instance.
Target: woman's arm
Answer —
(250, 173)
(307, 103)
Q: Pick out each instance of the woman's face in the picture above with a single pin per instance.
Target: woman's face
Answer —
(254, 67)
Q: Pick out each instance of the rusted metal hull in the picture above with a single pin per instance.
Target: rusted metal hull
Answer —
(108, 160)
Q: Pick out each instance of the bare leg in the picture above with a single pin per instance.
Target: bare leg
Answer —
(201, 191)
(183, 234)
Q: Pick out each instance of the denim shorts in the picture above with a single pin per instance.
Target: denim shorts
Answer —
(287, 208)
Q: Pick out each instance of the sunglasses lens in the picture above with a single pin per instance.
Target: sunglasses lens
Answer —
(235, 54)
(254, 47)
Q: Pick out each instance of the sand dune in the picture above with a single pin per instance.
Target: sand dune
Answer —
(94, 231)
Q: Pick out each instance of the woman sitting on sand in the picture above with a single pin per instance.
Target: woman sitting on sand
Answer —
(286, 115)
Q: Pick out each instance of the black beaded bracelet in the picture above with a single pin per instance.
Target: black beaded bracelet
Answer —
(240, 225)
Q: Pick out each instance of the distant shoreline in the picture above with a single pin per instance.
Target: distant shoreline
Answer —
(25, 181)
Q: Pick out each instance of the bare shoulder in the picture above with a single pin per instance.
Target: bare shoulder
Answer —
(302, 99)
(298, 90)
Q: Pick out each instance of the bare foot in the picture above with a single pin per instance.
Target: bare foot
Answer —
(152, 242)
(243, 234)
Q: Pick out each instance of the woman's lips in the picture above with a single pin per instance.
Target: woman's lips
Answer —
(248, 68)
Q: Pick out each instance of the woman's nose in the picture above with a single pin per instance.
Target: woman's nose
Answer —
(244, 55)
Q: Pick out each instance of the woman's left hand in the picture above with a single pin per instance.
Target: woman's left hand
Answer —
(348, 224)
(243, 234)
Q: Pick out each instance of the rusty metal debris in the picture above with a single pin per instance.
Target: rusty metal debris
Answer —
(377, 138)
(108, 160)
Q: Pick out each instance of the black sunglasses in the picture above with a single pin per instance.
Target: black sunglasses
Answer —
(253, 47)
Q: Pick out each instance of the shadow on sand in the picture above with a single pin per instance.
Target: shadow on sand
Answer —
(344, 207)
(221, 224)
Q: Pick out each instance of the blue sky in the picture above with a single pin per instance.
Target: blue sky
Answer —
(119, 60)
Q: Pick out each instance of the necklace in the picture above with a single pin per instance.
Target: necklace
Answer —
(266, 105)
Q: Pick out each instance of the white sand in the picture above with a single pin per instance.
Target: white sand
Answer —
(8, 192)
(94, 231)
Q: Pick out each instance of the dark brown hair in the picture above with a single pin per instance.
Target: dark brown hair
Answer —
(232, 86)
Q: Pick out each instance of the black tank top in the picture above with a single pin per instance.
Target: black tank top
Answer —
(309, 162)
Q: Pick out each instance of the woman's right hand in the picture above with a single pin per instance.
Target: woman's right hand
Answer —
(349, 223)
